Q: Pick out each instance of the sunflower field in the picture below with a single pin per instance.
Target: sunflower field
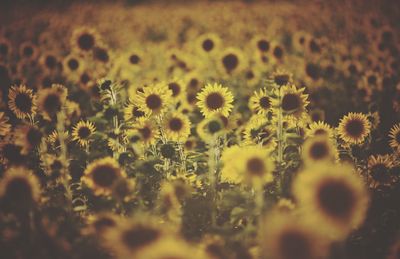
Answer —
(200, 129)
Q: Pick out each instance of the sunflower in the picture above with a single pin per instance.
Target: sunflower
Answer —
(282, 77)
(147, 130)
(278, 52)
(252, 76)
(51, 101)
(131, 237)
(177, 88)
(354, 128)
(84, 39)
(293, 102)
(101, 175)
(5, 48)
(210, 128)
(19, 188)
(379, 171)
(176, 127)
(132, 112)
(320, 128)
(260, 102)
(214, 98)
(333, 197)
(5, 128)
(154, 100)
(72, 65)
(98, 224)
(231, 61)
(250, 164)
(319, 149)
(82, 132)
(259, 131)
(208, 43)
(28, 51)
(28, 137)
(123, 189)
(22, 101)
(313, 74)
(284, 236)
(317, 115)
(394, 135)
(49, 61)
(261, 43)
(54, 138)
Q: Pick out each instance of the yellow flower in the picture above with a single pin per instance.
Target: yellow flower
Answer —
(259, 131)
(320, 128)
(4, 126)
(319, 149)
(215, 99)
(176, 127)
(19, 188)
(27, 137)
(250, 164)
(354, 128)
(284, 236)
(293, 102)
(132, 112)
(147, 130)
(101, 175)
(394, 135)
(332, 197)
(260, 102)
(154, 100)
(208, 44)
(84, 40)
(51, 101)
(98, 224)
(22, 101)
(379, 171)
(82, 132)
(281, 77)
(210, 128)
(231, 61)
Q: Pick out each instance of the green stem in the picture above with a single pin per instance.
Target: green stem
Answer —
(212, 173)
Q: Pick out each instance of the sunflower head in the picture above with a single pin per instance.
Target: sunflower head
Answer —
(354, 128)
(379, 171)
(28, 137)
(84, 39)
(260, 102)
(154, 100)
(394, 135)
(51, 100)
(82, 132)
(319, 149)
(22, 101)
(282, 77)
(214, 98)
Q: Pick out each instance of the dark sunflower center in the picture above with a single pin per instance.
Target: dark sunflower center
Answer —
(19, 190)
(103, 223)
(134, 59)
(352, 69)
(379, 173)
(51, 62)
(23, 102)
(73, 64)
(281, 80)
(193, 83)
(320, 132)
(104, 175)
(86, 41)
(34, 137)
(263, 45)
(372, 79)
(336, 199)
(354, 128)
(101, 54)
(278, 52)
(316, 116)
(85, 78)
(52, 104)
(189, 144)
(255, 166)
(214, 101)
(214, 127)
(139, 236)
(208, 45)
(27, 51)
(153, 102)
(230, 62)
(175, 88)
(294, 245)
(175, 124)
(314, 47)
(290, 102)
(264, 102)
(318, 150)
(84, 132)
(146, 132)
(191, 98)
(313, 71)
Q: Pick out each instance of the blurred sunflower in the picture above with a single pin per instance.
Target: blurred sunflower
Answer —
(320, 128)
(19, 188)
(176, 127)
(5, 127)
(293, 102)
(147, 130)
(101, 175)
(394, 135)
(379, 174)
(84, 39)
(82, 132)
(98, 224)
(54, 138)
(214, 98)
(28, 51)
(132, 112)
(28, 137)
(231, 61)
(282, 77)
(319, 149)
(154, 100)
(22, 101)
(354, 128)
(284, 236)
(332, 196)
(51, 101)
(260, 102)
(259, 131)
(210, 128)
(208, 43)
(177, 88)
